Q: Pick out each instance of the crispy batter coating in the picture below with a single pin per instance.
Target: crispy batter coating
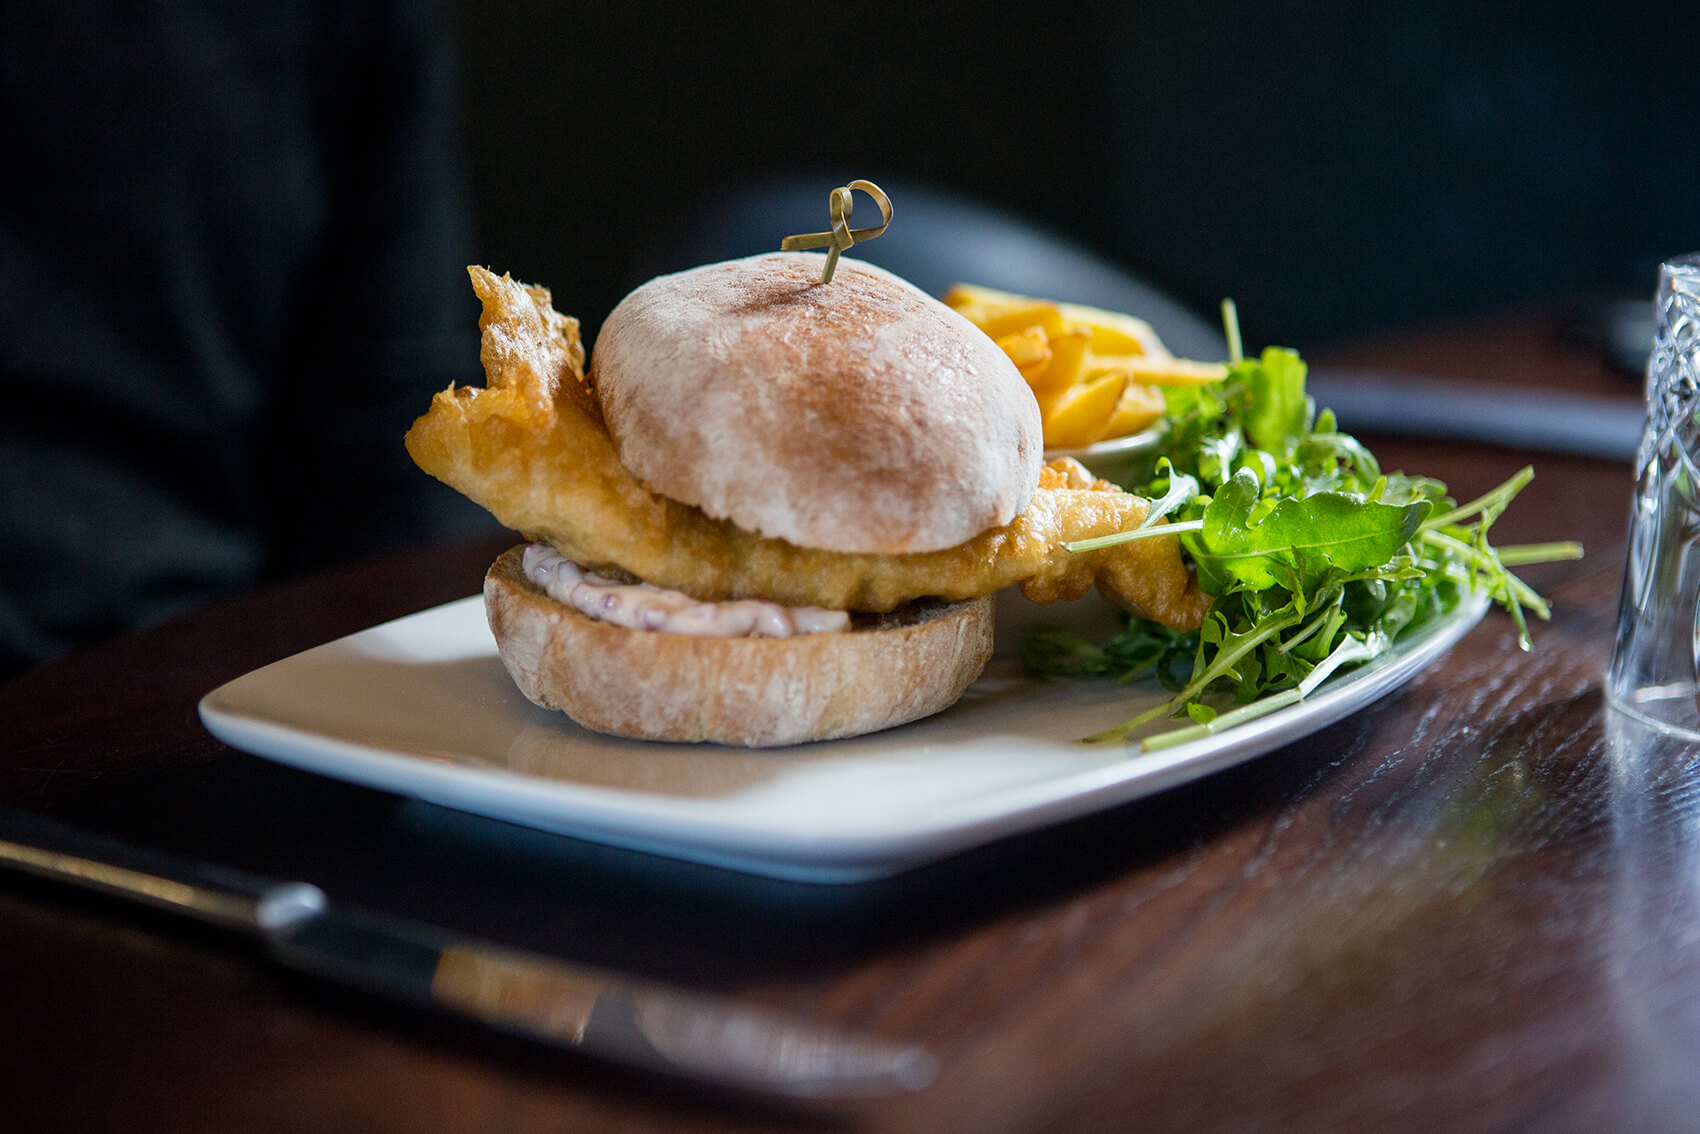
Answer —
(532, 448)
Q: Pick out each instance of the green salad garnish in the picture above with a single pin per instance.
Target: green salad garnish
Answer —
(1314, 557)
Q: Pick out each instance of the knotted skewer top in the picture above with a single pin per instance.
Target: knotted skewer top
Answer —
(842, 236)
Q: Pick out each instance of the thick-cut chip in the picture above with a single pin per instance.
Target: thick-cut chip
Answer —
(1084, 414)
(1115, 333)
(1033, 313)
(1029, 349)
(532, 448)
(1163, 371)
(1085, 345)
(1060, 376)
(1140, 408)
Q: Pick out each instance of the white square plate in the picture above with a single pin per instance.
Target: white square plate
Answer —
(422, 706)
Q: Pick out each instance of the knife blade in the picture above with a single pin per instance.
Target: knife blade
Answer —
(623, 1019)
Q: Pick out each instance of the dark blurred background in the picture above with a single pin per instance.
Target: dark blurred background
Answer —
(232, 234)
(1338, 167)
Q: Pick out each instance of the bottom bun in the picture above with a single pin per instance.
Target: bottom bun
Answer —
(757, 692)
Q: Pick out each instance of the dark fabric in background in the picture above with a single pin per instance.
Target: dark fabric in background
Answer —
(232, 250)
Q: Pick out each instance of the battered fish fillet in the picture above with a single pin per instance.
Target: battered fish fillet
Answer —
(533, 449)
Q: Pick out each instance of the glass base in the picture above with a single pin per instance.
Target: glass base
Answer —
(1670, 709)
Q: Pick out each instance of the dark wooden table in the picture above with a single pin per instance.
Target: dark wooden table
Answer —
(1472, 906)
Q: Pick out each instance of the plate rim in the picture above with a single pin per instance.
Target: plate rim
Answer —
(1114, 447)
(708, 831)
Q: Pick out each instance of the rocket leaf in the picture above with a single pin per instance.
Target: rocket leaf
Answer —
(1297, 542)
(1279, 411)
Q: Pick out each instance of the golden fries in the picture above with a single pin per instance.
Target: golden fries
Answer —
(1082, 415)
(1097, 375)
(1140, 407)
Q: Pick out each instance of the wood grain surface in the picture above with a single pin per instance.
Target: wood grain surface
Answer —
(1472, 906)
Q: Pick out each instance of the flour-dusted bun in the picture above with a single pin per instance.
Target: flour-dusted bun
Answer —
(758, 692)
(861, 415)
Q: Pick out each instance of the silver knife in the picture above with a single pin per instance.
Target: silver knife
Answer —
(626, 1020)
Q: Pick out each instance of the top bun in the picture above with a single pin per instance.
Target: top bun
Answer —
(858, 416)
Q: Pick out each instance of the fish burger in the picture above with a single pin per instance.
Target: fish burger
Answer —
(773, 509)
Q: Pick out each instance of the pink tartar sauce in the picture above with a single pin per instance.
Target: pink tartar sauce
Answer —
(641, 606)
